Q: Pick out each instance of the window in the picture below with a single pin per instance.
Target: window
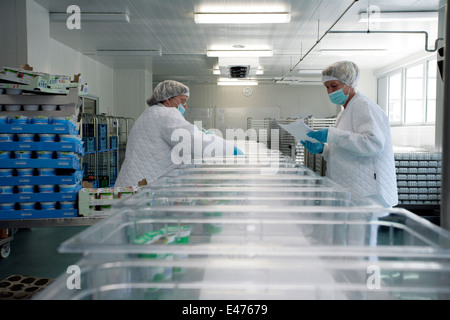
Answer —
(431, 93)
(410, 94)
(395, 98)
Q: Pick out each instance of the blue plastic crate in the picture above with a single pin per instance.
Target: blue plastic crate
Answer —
(89, 144)
(113, 142)
(102, 130)
(102, 144)
(37, 214)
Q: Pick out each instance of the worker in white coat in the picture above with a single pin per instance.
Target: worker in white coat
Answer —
(161, 138)
(358, 150)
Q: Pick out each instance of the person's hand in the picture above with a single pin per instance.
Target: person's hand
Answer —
(319, 135)
(312, 147)
(238, 152)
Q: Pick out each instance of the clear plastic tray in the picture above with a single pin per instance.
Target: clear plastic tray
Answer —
(215, 229)
(243, 195)
(242, 170)
(237, 277)
(260, 253)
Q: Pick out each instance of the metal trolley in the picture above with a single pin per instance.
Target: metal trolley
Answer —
(105, 139)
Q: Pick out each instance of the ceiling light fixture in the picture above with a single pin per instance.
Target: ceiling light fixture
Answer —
(399, 16)
(236, 82)
(242, 17)
(310, 71)
(93, 16)
(239, 53)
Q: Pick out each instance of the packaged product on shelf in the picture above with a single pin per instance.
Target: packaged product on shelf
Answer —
(6, 189)
(66, 188)
(23, 154)
(26, 189)
(30, 107)
(67, 205)
(46, 188)
(27, 205)
(19, 119)
(5, 155)
(6, 137)
(47, 137)
(48, 205)
(25, 172)
(48, 107)
(5, 173)
(46, 172)
(26, 137)
(7, 206)
(45, 154)
(39, 120)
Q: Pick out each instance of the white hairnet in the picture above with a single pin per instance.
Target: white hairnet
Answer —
(344, 71)
(166, 90)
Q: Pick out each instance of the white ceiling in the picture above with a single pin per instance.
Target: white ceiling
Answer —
(168, 25)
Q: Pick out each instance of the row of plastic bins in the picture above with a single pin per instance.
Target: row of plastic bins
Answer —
(41, 176)
(64, 127)
(240, 236)
(254, 252)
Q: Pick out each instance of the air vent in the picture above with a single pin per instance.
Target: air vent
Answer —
(239, 72)
(238, 68)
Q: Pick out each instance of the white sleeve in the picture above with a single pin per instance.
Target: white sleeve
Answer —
(366, 138)
(178, 130)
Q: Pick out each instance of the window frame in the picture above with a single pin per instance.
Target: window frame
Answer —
(426, 63)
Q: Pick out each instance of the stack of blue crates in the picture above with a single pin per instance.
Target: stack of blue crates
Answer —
(40, 170)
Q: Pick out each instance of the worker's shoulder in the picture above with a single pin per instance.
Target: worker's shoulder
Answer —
(159, 111)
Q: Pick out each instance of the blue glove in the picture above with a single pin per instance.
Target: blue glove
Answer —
(319, 135)
(312, 147)
(238, 152)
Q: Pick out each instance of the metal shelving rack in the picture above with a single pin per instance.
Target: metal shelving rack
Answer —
(105, 139)
(262, 130)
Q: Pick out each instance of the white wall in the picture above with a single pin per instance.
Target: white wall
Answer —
(48, 55)
(13, 46)
(132, 89)
(293, 101)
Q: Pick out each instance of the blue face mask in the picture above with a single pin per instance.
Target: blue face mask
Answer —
(338, 97)
(181, 109)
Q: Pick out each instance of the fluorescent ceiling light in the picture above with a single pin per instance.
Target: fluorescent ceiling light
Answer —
(242, 17)
(239, 53)
(398, 16)
(129, 52)
(92, 16)
(310, 71)
(236, 82)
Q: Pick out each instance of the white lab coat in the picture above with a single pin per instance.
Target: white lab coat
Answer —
(149, 147)
(359, 151)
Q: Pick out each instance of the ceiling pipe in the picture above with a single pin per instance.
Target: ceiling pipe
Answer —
(396, 32)
(318, 41)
